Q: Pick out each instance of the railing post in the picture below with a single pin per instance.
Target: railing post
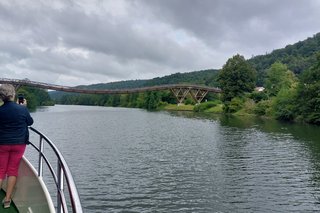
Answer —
(40, 165)
(60, 176)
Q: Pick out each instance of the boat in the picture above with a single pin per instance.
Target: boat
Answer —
(33, 193)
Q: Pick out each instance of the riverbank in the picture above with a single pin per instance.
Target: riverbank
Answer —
(216, 108)
(178, 107)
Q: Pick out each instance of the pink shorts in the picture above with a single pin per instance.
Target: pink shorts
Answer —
(10, 156)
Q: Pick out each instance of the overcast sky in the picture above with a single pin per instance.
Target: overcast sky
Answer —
(98, 41)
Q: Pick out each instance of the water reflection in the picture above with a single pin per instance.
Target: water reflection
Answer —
(308, 136)
(304, 132)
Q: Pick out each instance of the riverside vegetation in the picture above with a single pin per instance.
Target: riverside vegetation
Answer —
(35, 97)
(290, 76)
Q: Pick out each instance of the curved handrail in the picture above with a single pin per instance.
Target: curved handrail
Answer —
(63, 173)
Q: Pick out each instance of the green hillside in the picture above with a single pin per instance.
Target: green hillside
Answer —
(203, 77)
(298, 57)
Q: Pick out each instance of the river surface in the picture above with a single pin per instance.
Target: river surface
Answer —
(132, 160)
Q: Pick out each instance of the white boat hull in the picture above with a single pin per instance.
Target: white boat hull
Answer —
(30, 194)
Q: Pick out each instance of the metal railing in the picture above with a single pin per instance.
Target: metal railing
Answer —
(62, 173)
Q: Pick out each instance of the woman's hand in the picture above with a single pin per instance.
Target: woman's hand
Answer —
(24, 103)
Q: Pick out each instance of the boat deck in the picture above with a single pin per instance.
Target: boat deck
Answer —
(12, 209)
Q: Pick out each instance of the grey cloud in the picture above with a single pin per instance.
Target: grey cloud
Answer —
(220, 20)
(14, 51)
(120, 40)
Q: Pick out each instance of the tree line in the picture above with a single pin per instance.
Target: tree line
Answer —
(287, 96)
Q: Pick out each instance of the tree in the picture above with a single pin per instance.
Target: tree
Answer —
(236, 77)
(35, 97)
(279, 77)
(141, 100)
(284, 104)
(124, 99)
(151, 101)
(309, 94)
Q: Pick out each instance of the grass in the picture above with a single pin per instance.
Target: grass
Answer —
(181, 107)
(216, 109)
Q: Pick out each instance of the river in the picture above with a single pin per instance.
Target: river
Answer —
(132, 160)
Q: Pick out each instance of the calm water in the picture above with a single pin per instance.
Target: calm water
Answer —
(131, 160)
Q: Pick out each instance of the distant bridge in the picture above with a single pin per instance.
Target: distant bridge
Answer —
(180, 91)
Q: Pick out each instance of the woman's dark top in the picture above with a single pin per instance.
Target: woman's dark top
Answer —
(14, 122)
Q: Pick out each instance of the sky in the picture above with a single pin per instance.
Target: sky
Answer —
(82, 42)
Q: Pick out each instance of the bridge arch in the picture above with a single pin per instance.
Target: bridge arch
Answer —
(180, 91)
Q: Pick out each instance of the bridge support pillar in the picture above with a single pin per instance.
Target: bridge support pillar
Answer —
(180, 93)
(198, 94)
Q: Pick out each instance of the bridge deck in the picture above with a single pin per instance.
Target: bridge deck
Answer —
(105, 91)
(180, 91)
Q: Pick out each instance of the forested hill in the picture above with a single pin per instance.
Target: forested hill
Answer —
(298, 57)
(204, 77)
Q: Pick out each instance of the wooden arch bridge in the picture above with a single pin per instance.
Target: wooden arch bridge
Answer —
(180, 91)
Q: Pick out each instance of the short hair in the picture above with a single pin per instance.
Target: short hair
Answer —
(7, 92)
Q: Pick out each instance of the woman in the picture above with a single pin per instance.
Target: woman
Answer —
(14, 135)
